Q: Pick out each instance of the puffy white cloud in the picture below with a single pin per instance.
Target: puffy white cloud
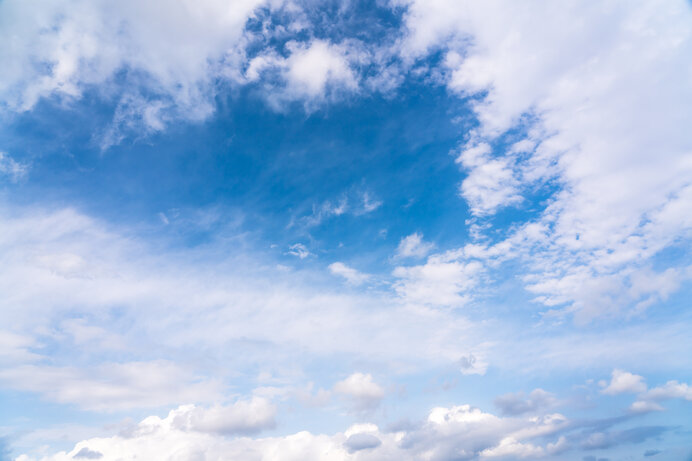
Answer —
(511, 449)
(311, 72)
(490, 183)
(413, 246)
(365, 393)
(162, 61)
(351, 275)
(448, 433)
(241, 417)
(622, 382)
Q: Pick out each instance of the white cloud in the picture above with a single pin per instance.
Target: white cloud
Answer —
(173, 49)
(87, 289)
(299, 250)
(113, 386)
(413, 246)
(312, 72)
(310, 68)
(15, 348)
(645, 406)
(512, 449)
(351, 275)
(491, 183)
(161, 61)
(574, 78)
(670, 390)
(438, 282)
(622, 382)
(11, 168)
(365, 393)
(241, 417)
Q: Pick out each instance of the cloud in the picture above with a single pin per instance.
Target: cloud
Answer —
(11, 168)
(241, 417)
(90, 290)
(644, 406)
(472, 364)
(362, 390)
(113, 386)
(490, 183)
(352, 203)
(69, 46)
(447, 432)
(438, 282)
(647, 401)
(413, 246)
(671, 390)
(351, 275)
(622, 382)
(311, 72)
(559, 115)
(172, 71)
(299, 250)
(358, 442)
(370, 204)
(518, 403)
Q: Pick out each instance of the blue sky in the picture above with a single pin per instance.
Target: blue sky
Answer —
(360, 230)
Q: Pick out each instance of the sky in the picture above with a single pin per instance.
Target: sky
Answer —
(362, 230)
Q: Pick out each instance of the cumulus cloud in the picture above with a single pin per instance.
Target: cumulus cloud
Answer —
(361, 441)
(166, 72)
(64, 47)
(363, 391)
(490, 183)
(671, 390)
(241, 417)
(648, 401)
(447, 432)
(85, 453)
(622, 382)
(311, 72)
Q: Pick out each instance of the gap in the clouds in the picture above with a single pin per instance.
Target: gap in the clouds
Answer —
(249, 170)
